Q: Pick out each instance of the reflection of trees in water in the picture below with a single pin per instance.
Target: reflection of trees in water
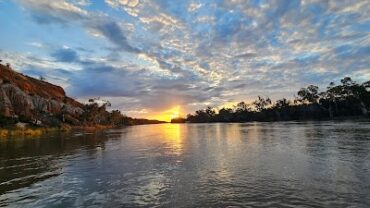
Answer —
(354, 148)
(191, 164)
(339, 157)
(349, 139)
(317, 138)
(27, 161)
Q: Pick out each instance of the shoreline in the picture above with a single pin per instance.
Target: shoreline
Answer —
(34, 131)
(11, 132)
(342, 118)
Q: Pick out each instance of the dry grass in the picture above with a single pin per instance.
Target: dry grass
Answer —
(35, 132)
(26, 132)
(3, 133)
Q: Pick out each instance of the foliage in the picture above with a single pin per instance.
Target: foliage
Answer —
(95, 113)
(346, 99)
(261, 103)
(178, 120)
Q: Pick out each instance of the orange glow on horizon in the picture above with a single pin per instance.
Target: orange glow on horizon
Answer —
(228, 105)
(167, 115)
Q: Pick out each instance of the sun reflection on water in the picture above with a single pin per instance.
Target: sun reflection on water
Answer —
(172, 136)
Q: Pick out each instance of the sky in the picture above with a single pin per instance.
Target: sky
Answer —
(163, 58)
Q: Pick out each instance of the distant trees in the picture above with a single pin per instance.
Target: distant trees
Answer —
(226, 114)
(261, 103)
(282, 103)
(346, 99)
(203, 116)
(242, 107)
(116, 118)
(95, 113)
(178, 120)
(308, 95)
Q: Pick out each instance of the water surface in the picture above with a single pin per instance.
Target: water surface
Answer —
(289, 164)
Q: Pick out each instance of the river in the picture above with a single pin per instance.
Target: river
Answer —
(285, 164)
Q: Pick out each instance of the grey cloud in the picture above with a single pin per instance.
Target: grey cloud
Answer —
(65, 55)
(111, 30)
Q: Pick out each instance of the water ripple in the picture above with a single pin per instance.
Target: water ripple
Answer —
(289, 164)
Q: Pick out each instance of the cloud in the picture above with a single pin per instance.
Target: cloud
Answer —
(81, 2)
(149, 55)
(65, 55)
(113, 32)
(117, 3)
(46, 12)
(126, 5)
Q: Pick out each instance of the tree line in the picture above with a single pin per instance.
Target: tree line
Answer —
(347, 99)
(95, 112)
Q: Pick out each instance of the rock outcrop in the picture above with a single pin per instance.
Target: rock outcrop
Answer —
(35, 100)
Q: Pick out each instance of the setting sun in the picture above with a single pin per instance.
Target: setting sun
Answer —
(167, 115)
(175, 115)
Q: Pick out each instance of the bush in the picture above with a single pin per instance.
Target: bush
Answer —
(5, 121)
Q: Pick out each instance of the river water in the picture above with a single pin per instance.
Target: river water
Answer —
(287, 164)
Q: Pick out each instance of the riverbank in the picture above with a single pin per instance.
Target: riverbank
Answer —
(341, 118)
(14, 131)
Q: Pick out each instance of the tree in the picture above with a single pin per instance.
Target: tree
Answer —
(366, 85)
(95, 111)
(309, 94)
(225, 114)
(329, 98)
(42, 78)
(346, 99)
(210, 112)
(242, 107)
(63, 112)
(116, 118)
(178, 120)
(261, 103)
(282, 103)
(202, 116)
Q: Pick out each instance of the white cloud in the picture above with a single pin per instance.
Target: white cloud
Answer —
(212, 52)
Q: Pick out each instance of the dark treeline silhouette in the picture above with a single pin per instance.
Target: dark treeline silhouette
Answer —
(95, 112)
(178, 120)
(348, 99)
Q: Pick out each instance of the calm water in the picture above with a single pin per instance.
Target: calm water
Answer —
(311, 164)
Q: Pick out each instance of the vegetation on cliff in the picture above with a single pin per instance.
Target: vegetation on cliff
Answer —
(37, 103)
(348, 99)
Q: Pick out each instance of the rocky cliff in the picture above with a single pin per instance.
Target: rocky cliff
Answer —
(34, 100)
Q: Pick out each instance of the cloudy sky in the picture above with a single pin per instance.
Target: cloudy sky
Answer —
(154, 57)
